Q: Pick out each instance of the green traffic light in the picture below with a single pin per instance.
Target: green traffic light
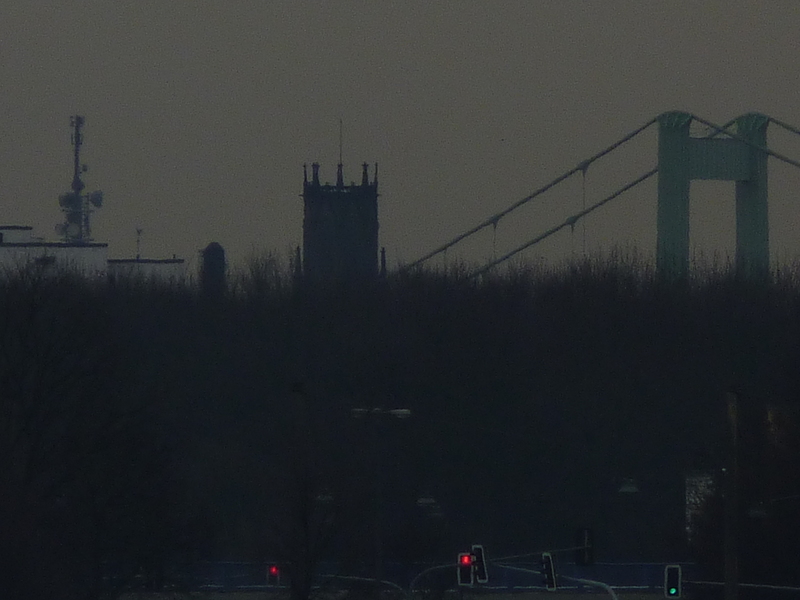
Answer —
(672, 581)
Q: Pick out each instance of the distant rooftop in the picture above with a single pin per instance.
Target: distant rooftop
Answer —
(53, 244)
(146, 261)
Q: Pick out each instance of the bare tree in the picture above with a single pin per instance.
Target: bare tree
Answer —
(71, 445)
(306, 521)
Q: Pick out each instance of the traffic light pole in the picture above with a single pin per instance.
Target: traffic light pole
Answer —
(375, 417)
(377, 445)
(732, 503)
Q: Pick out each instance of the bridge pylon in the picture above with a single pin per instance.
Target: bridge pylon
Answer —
(682, 158)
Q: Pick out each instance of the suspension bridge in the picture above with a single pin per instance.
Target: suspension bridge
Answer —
(735, 151)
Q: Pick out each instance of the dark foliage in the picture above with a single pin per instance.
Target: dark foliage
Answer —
(82, 466)
(159, 428)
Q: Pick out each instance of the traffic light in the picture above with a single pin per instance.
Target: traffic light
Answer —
(672, 581)
(273, 575)
(584, 547)
(548, 571)
(481, 572)
(465, 568)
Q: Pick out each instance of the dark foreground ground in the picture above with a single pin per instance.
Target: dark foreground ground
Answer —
(261, 595)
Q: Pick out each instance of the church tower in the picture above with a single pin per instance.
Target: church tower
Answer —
(340, 227)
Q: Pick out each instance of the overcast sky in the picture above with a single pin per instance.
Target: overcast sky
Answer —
(200, 114)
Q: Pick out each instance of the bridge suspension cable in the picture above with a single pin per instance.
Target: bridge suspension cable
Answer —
(723, 129)
(570, 221)
(581, 168)
(494, 219)
(785, 126)
(747, 142)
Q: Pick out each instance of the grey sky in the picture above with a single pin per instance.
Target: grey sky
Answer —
(200, 114)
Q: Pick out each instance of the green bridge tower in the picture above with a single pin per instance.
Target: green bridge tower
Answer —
(682, 158)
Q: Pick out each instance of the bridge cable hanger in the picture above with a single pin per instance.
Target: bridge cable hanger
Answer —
(526, 199)
(568, 222)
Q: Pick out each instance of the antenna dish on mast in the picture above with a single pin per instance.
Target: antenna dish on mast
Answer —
(96, 198)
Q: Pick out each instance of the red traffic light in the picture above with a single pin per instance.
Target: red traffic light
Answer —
(466, 568)
(273, 575)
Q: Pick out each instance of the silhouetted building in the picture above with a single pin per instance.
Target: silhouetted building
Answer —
(340, 228)
(212, 271)
(20, 250)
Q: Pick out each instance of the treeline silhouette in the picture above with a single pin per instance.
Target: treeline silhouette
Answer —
(147, 424)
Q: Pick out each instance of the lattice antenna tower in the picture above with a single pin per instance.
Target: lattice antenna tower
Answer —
(76, 205)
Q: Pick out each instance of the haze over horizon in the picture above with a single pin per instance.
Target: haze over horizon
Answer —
(199, 117)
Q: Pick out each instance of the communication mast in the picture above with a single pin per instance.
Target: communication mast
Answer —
(77, 206)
